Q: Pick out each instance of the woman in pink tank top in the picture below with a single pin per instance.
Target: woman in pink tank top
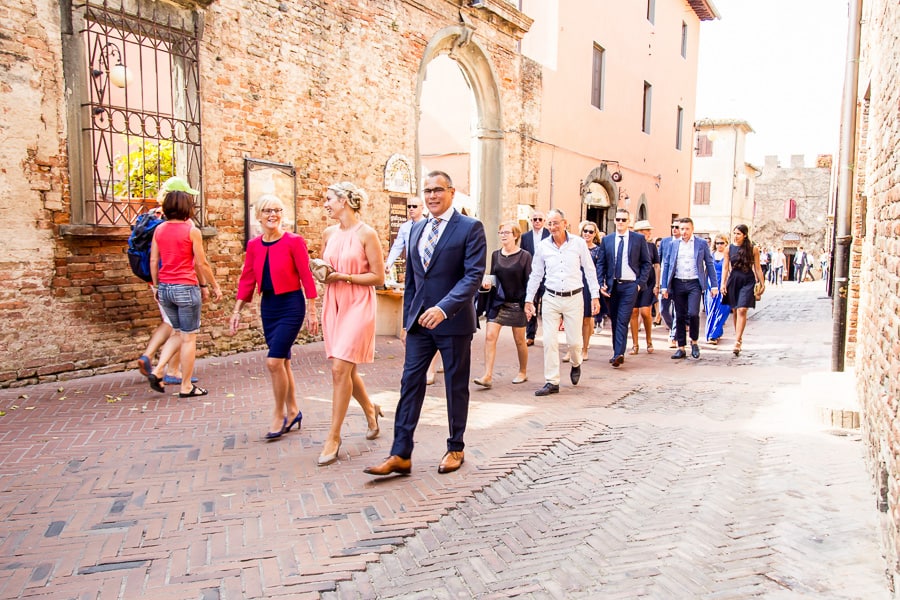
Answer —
(182, 277)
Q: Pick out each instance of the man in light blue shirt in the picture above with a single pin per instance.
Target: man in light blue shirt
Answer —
(414, 210)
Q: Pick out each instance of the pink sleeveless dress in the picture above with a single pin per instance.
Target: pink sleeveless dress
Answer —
(348, 314)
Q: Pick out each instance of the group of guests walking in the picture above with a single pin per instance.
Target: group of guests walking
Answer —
(562, 276)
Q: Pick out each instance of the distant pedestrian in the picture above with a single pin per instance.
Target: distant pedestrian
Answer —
(353, 250)
(277, 266)
(801, 263)
(558, 262)
(398, 248)
(666, 306)
(776, 271)
(183, 278)
(688, 271)
(643, 306)
(624, 270)
(591, 237)
(716, 312)
(824, 262)
(510, 268)
(741, 272)
(530, 243)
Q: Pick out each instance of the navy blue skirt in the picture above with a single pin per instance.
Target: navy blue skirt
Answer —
(282, 317)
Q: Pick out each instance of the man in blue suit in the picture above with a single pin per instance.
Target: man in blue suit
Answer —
(531, 241)
(624, 264)
(665, 304)
(445, 266)
(688, 269)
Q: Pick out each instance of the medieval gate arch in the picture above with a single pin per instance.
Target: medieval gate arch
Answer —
(456, 42)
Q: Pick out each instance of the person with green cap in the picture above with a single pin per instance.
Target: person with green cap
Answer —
(183, 278)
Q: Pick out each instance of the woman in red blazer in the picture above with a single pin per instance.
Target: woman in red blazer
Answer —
(277, 265)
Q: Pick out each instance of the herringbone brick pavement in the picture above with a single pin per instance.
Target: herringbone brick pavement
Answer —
(663, 480)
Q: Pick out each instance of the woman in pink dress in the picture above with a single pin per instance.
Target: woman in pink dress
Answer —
(352, 248)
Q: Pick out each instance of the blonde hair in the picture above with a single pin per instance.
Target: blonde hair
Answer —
(267, 201)
(596, 238)
(516, 231)
(354, 195)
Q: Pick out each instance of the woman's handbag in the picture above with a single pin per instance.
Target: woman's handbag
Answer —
(320, 269)
(758, 289)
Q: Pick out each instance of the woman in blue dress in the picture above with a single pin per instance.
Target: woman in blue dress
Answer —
(716, 312)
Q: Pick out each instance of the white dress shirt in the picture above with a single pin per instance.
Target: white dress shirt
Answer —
(560, 267)
(685, 265)
(628, 273)
(423, 239)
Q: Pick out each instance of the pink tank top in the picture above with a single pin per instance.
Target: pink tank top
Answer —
(176, 253)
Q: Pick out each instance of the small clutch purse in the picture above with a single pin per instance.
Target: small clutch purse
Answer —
(758, 290)
(320, 269)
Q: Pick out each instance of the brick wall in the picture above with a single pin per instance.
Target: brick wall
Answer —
(328, 85)
(878, 339)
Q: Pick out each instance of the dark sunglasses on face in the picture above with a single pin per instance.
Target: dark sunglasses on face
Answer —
(411, 206)
(720, 243)
(587, 231)
(535, 219)
(618, 220)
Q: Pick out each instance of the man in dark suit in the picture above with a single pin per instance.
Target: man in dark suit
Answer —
(445, 266)
(688, 269)
(529, 242)
(623, 268)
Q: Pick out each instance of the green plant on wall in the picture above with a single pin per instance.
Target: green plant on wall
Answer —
(144, 168)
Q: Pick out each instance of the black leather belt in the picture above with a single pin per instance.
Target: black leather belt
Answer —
(625, 280)
(564, 294)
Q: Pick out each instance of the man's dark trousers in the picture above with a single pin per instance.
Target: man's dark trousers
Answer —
(456, 354)
(621, 303)
(686, 295)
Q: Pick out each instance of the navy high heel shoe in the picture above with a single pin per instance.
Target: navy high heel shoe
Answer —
(274, 435)
(298, 419)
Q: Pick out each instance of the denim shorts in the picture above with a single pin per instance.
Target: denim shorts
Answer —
(181, 304)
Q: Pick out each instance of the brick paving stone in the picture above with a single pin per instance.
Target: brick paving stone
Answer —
(657, 480)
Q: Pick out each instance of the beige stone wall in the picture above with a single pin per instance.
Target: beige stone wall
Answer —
(878, 202)
(810, 187)
(328, 85)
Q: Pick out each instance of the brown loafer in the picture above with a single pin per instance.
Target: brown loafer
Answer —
(394, 464)
(451, 462)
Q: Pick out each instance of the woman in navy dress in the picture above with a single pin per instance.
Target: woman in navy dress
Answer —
(277, 265)
(741, 272)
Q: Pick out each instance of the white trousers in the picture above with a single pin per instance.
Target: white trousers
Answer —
(570, 311)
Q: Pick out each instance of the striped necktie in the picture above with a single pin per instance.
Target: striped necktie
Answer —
(431, 242)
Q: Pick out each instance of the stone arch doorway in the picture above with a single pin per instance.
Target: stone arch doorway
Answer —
(599, 198)
(487, 171)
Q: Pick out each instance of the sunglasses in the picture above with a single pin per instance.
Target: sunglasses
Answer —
(587, 231)
(537, 219)
(618, 220)
(720, 243)
(411, 206)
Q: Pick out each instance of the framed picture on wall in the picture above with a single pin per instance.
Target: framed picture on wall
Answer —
(265, 177)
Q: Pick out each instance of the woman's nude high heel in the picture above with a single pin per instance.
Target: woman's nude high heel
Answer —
(737, 348)
(371, 434)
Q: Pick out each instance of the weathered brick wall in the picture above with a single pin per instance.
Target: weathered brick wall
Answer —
(326, 85)
(878, 343)
(809, 186)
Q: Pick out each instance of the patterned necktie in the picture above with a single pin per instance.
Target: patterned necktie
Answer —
(431, 242)
(619, 252)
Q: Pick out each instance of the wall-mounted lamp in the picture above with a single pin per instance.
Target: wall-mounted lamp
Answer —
(119, 75)
(712, 135)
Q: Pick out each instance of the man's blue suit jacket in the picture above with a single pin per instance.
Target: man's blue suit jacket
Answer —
(638, 259)
(452, 279)
(706, 266)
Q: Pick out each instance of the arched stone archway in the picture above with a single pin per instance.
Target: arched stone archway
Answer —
(457, 43)
(600, 207)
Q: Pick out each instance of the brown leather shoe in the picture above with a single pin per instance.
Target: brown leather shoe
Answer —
(394, 464)
(451, 462)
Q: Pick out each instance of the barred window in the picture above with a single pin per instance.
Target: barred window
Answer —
(135, 107)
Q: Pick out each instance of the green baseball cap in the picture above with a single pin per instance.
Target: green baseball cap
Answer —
(178, 184)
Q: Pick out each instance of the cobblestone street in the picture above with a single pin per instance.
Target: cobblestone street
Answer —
(709, 478)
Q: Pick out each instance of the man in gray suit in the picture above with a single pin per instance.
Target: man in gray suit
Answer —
(688, 269)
